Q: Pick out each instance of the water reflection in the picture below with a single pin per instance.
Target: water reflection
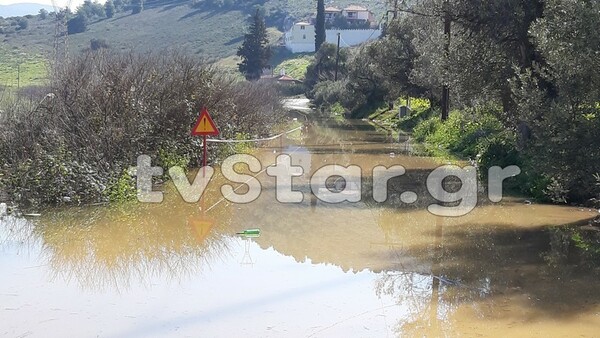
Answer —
(15, 235)
(118, 246)
(318, 269)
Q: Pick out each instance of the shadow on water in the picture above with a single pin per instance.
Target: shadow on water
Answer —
(500, 272)
(496, 256)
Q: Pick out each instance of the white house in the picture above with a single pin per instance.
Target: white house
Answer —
(331, 13)
(354, 12)
(301, 36)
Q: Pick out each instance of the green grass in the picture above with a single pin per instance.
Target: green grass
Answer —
(19, 68)
(294, 67)
(294, 64)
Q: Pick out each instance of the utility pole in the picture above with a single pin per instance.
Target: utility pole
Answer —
(337, 57)
(446, 87)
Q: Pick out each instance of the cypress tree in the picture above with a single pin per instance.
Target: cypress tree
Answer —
(255, 51)
(320, 25)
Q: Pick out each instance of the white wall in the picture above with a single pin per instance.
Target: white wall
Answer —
(363, 15)
(352, 37)
(349, 37)
(301, 47)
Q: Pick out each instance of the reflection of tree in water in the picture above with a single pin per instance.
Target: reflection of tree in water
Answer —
(16, 231)
(479, 263)
(422, 287)
(114, 247)
(429, 301)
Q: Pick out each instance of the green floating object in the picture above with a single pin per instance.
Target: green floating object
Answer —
(250, 233)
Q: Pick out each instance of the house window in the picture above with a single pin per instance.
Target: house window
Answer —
(351, 14)
(302, 27)
(304, 36)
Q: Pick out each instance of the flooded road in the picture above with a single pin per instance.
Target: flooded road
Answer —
(363, 269)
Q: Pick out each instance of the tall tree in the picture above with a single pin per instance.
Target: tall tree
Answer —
(564, 124)
(320, 25)
(78, 24)
(109, 8)
(255, 51)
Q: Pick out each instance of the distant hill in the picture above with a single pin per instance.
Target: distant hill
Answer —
(203, 32)
(7, 11)
(207, 30)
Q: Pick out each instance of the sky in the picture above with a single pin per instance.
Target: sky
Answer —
(60, 3)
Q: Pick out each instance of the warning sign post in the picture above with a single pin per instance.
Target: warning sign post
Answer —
(205, 126)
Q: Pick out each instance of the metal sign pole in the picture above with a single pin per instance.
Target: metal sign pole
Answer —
(204, 156)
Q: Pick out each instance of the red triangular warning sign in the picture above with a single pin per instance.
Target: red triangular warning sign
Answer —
(205, 125)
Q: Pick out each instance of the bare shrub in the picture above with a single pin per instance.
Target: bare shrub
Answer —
(104, 109)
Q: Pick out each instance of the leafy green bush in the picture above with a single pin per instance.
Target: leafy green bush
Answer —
(478, 135)
(423, 130)
(327, 93)
(172, 154)
(122, 188)
(500, 150)
(323, 67)
(52, 178)
(589, 245)
(337, 109)
(463, 134)
(416, 104)
(417, 115)
(242, 147)
(78, 24)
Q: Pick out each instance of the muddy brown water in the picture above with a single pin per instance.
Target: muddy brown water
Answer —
(317, 270)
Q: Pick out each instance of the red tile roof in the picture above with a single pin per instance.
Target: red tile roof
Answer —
(355, 8)
(287, 78)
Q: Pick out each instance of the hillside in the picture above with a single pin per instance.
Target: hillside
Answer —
(157, 28)
(206, 30)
